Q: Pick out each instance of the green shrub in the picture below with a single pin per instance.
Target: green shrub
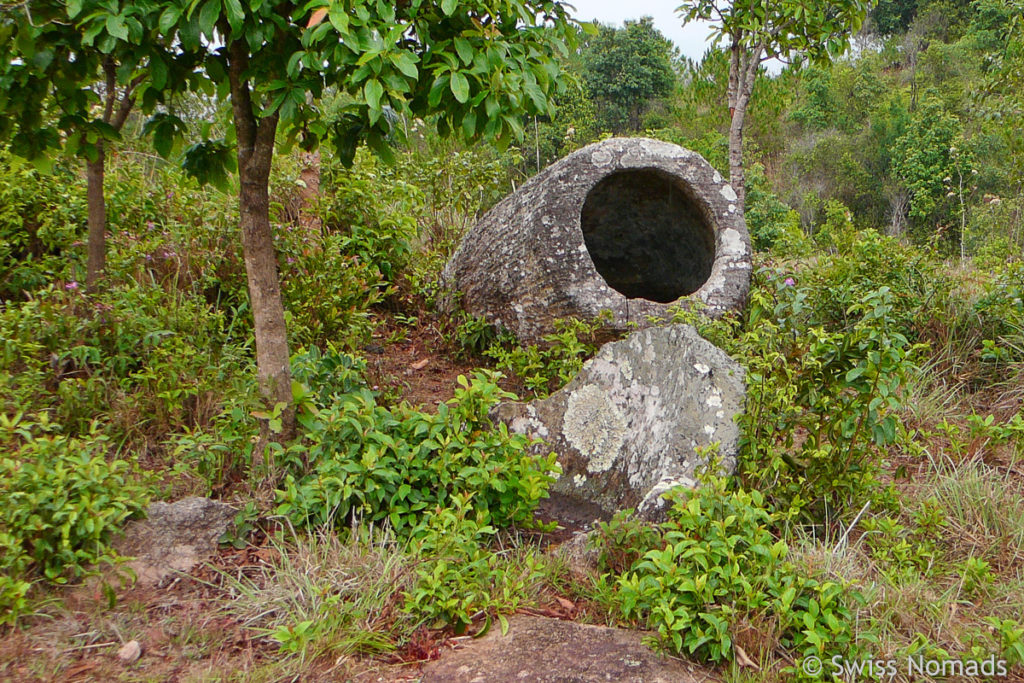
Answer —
(550, 366)
(369, 462)
(459, 575)
(328, 290)
(823, 399)
(136, 358)
(822, 406)
(41, 216)
(372, 213)
(715, 562)
(60, 501)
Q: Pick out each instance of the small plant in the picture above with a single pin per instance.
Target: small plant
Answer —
(377, 464)
(473, 335)
(60, 501)
(715, 562)
(977, 575)
(460, 577)
(548, 367)
(1010, 634)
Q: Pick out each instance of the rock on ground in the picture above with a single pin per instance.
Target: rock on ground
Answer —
(174, 537)
(542, 650)
(639, 418)
(627, 225)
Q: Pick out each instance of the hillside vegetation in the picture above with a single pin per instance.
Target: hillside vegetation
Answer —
(878, 509)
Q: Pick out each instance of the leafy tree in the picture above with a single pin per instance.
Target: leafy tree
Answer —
(477, 68)
(63, 85)
(891, 17)
(759, 30)
(626, 69)
(923, 157)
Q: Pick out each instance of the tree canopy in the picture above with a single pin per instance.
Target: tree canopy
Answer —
(626, 69)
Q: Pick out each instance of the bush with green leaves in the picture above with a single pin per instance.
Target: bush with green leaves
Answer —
(824, 388)
(136, 357)
(358, 459)
(549, 366)
(41, 216)
(715, 562)
(61, 499)
(822, 405)
(373, 212)
(458, 574)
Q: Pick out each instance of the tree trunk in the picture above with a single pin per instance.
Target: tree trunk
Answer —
(743, 65)
(255, 153)
(272, 357)
(96, 245)
(736, 176)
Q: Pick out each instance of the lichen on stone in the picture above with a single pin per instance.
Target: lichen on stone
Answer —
(595, 427)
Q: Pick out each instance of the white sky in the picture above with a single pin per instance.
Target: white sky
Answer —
(691, 40)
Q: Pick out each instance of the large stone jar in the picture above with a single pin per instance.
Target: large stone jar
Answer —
(628, 225)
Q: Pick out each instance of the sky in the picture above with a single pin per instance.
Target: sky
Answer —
(691, 40)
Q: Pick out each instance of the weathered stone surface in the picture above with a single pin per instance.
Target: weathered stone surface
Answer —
(629, 426)
(628, 225)
(551, 651)
(174, 537)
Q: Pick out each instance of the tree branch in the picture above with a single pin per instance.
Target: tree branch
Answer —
(110, 72)
(127, 102)
(241, 100)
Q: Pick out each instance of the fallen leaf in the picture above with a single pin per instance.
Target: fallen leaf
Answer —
(743, 660)
(317, 17)
(420, 364)
(129, 652)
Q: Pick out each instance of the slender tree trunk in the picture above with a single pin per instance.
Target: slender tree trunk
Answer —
(255, 154)
(743, 65)
(272, 357)
(97, 240)
(95, 175)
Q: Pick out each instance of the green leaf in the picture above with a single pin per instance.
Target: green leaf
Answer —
(465, 50)
(460, 87)
(338, 17)
(448, 7)
(405, 63)
(469, 126)
(373, 91)
(74, 8)
(236, 15)
(208, 17)
(116, 27)
(169, 18)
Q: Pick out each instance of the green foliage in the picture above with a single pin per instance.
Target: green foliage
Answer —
(61, 501)
(547, 368)
(625, 70)
(838, 234)
(129, 356)
(840, 389)
(330, 283)
(827, 353)
(1011, 639)
(772, 224)
(41, 215)
(473, 335)
(375, 213)
(923, 156)
(459, 576)
(715, 562)
(893, 16)
(480, 77)
(398, 465)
